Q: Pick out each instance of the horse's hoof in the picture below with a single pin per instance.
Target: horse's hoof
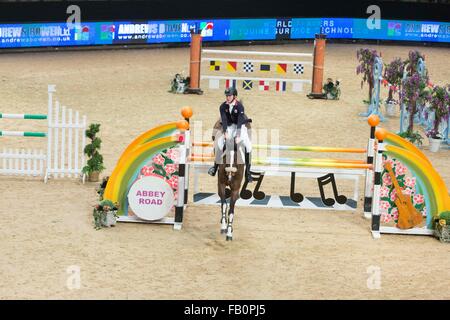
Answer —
(229, 238)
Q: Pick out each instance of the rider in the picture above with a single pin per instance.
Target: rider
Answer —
(233, 121)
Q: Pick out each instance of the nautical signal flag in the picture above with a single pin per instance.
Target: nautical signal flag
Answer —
(248, 67)
(280, 86)
(298, 68)
(264, 67)
(297, 86)
(214, 65)
(214, 83)
(230, 83)
(247, 84)
(281, 67)
(231, 66)
(264, 85)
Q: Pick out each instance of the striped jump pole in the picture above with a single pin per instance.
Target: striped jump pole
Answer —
(65, 143)
(22, 134)
(321, 164)
(183, 170)
(309, 148)
(258, 53)
(23, 116)
(187, 113)
(16, 116)
(210, 157)
(373, 121)
(293, 148)
(376, 214)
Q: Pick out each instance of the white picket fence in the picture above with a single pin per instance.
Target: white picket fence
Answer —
(65, 144)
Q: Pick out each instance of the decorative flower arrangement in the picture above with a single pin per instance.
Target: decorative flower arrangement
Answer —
(101, 212)
(165, 165)
(439, 105)
(332, 90)
(413, 59)
(415, 89)
(366, 58)
(442, 226)
(393, 74)
(101, 188)
(389, 212)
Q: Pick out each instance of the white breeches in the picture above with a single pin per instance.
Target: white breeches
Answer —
(231, 132)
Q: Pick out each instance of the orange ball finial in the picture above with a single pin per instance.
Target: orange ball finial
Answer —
(186, 112)
(373, 120)
(182, 125)
(381, 133)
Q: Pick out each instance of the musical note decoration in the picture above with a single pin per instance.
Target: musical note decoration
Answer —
(296, 197)
(258, 195)
(322, 181)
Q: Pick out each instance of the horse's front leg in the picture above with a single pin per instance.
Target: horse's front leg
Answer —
(234, 197)
(223, 203)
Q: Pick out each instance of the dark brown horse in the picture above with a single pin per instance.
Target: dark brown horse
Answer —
(230, 175)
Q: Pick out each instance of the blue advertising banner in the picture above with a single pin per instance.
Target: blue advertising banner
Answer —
(254, 29)
(305, 28)
(44, 35)
(173, 31)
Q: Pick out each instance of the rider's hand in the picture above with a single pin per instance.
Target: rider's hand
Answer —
(238, 140)
(226, 135)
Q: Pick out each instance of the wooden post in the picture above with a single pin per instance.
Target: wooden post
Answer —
(194, 66)
(318, 65)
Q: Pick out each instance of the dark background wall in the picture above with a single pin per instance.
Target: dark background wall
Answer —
(55, 10)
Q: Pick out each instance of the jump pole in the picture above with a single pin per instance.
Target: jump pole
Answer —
(194, 65)
(318, 66)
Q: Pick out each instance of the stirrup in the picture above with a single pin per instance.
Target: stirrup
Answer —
(212, 171)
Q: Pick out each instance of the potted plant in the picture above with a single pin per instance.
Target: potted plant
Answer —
(412, 136)
(442, 226)
(412, 61)
(101, 188)
(332, 90)
(366, 58)
(393, 74)
(95, 162)
(414, 90)
(105, 214)
(439, 106)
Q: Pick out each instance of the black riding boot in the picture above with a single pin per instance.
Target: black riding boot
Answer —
(212, 171)
(248, 163)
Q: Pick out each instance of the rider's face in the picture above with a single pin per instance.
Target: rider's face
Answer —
(230, 99)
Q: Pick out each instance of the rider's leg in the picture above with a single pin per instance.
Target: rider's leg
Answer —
(248, 149)
(219, 144)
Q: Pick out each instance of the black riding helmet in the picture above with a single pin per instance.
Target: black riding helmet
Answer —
(231, 91)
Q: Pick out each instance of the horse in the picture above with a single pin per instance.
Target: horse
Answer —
(230, 174)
